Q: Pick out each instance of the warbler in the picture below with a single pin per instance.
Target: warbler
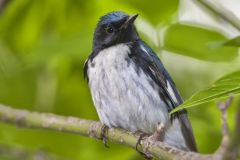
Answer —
(129, 85)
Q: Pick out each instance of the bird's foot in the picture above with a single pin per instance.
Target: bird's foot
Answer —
(142, 137)
(103, 136)
(158, 135)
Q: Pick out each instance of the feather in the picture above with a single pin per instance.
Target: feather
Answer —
(148, 61)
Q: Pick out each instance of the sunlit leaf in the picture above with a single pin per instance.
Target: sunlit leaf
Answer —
(222, 88)
(196, 42)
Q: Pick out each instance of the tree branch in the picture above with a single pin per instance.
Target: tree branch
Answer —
(233, 150)
(159, 150)
(223, 106)
(222, 12)
(3, 4)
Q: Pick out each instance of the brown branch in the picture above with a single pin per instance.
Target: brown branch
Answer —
(233, 149)
(3, 4)
(223, 106)
(159, 150)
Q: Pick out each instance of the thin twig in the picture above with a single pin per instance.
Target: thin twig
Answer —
(233, 150)
(3, 4)
(223, 106)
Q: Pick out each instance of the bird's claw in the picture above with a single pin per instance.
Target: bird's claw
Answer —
(103, 136)
(141, 137)
(156, 136)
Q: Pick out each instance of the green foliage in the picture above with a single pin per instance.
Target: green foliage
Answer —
(194, 42)
(156, 11)
(222, 88)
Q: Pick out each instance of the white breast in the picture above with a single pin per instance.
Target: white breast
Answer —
(122, 96)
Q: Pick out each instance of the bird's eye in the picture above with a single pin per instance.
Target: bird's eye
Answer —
(109, 29)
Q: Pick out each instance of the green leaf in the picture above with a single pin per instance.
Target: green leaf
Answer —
(196, 42)
(222, 88)
(233, 42)
(156, 11)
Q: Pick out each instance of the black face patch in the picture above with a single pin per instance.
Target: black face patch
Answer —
(109, 31)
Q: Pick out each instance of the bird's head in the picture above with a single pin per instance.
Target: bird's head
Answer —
(114, 28)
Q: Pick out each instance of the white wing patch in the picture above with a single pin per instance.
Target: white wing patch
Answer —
(144, 49)
(171, 92)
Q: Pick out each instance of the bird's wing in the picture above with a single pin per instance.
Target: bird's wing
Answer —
(148, 61)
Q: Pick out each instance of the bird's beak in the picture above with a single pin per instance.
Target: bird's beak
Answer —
(129, 21)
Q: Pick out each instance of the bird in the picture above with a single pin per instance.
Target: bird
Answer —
(130, 87)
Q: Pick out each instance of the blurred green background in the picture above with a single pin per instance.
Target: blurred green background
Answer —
(43, 46)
